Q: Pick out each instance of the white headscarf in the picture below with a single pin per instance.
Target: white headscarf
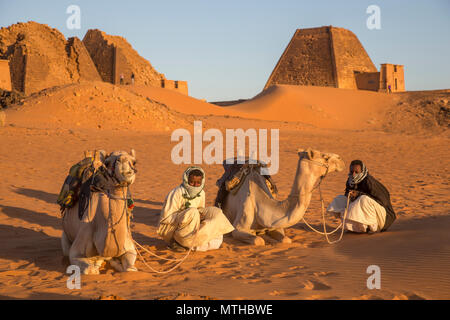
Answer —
(192, 192)
(354, 180)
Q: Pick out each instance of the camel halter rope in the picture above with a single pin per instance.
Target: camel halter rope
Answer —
(179, 261)
(342, 224)
(125, 210)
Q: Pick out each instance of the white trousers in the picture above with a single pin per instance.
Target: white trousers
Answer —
(362, 213)
(200, 228)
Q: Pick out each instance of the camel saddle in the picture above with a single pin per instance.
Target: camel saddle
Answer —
(79, 173)
(233, 177)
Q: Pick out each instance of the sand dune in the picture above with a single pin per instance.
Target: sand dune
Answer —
(146, 108)
(94, 105)
(320, 106)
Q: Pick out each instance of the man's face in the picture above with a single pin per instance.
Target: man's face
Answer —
(355, 169)
(195, 181)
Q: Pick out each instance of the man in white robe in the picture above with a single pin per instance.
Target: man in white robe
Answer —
(184, 220)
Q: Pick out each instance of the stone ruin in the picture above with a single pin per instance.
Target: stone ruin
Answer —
(40, 57)
(333, 57)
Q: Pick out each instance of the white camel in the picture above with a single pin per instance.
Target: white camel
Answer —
(103, 233)
(253, 210)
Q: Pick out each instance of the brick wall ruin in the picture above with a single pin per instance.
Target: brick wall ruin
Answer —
(392, 75)
(367, 81)
(175, 85)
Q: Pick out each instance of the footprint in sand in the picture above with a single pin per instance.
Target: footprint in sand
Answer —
(247, 276)
(275, 252)
(259, 281)
(297, 267)
(283, 293)
(229, 265)
(315, 285)
(282, 275)
(324, 273)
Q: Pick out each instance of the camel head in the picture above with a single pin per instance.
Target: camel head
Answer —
(332, 160)
(122, 165)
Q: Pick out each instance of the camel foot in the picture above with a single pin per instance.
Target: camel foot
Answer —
(258, 241)
(131, 269)
(90, 270)
(279, 236)
(286, 240)
(116, 265)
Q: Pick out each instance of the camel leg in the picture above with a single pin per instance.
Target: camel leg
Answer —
(126, 261)
(248, 238)
(77, 253)
(279, 235)
(65, 244)
(129, 257)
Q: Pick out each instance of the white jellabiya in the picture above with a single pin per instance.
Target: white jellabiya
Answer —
(187, 221)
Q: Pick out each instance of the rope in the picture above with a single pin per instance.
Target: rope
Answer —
(180, 261)
(166, 271)
(342, 224)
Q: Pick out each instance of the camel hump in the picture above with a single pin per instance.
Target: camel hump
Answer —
(234, 176)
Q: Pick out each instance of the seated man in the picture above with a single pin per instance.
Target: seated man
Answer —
(185, 222)
(370, 209)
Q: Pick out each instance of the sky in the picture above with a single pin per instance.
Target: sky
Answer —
(226, 50)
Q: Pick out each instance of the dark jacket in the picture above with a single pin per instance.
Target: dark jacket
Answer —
(374, 189)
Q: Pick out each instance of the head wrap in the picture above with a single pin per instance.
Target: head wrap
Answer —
(353, 180)
(192, 192)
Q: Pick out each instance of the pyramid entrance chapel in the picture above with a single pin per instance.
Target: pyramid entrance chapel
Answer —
(333, 57)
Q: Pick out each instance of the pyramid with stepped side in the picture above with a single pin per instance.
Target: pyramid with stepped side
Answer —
(332, 57)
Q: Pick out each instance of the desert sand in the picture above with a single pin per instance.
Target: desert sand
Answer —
(409, 154)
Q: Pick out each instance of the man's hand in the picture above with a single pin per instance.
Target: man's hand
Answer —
(353, 194)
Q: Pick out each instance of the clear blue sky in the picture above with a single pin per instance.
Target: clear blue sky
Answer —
(227, 49)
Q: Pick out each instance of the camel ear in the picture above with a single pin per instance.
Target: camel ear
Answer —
(88, 154)
(300, 151)
(133, 153)
(102, 154)
(311, 153)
